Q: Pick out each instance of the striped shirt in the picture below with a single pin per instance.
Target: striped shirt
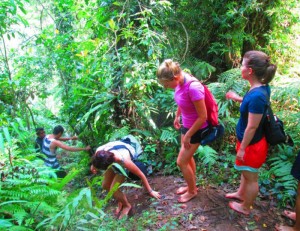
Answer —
(50, 160)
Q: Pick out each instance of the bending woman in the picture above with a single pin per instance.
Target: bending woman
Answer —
(252, 146)
(189, 96)
(108, 154)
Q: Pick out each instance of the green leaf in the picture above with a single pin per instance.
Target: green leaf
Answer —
(11, 202)
(112, 24)
(5, 223)
(120, 168)
(130, 185)
(7, 135)
(1, 143)
(20, 122)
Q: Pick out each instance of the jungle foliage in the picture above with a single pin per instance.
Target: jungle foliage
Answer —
(91, 66)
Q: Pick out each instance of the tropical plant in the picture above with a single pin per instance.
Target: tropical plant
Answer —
(278, 181)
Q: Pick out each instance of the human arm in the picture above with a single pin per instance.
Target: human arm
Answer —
(57, 143)
(68, 138)
(177, 119)
(253, 123)
(135, 170)
(37, 147)
(234, 96)
(202, 116)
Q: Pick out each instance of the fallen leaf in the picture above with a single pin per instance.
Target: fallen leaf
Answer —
(256, 218)
(183, 206)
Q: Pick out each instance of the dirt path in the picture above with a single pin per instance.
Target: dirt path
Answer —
(209, 211)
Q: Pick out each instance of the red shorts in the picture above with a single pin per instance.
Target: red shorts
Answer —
(255, 154)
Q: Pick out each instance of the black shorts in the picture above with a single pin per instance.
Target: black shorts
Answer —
(198, 136)
(130, 175)
(296, 167)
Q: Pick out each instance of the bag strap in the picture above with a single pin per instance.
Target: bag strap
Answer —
(268, 109)
(205, 89)
(121, 146)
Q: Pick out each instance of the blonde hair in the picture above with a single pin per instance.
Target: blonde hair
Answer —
(260, 63)
(168, 69)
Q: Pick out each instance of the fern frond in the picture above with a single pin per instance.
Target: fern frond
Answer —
(119, 133)
(18, 182)
(11, 208)
(13, 194)
(41, 191)
(41, 207)
(169, 136)
(208, 155)
(20, 216)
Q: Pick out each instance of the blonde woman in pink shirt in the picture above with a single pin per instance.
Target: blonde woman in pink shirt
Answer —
(189, 96)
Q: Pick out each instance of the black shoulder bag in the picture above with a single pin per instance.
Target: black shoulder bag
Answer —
(273, 127)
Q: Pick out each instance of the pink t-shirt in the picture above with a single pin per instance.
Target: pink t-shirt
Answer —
(184, 96)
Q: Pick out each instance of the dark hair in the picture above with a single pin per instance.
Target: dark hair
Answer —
(168, 69)
(102, 159)
(260, 64)
(38, 130)
(58, 129)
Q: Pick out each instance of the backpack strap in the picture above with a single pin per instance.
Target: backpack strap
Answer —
(268, 109)
(210, 103)
(121, 146)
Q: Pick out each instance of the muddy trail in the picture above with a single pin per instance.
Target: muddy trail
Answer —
(208, 211)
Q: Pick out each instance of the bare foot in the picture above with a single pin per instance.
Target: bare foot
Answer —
(289, 214)
(284, 228)
(234, 195)
(125, 211)
(181, 190)
(239, 208)
(186, 197)
(118, 209)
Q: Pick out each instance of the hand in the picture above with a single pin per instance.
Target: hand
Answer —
(93, 169)
(186, 141)
(74, 138)
(154, 194)
(232, 95)
(87, 148)
(240, 155)
(177, 123)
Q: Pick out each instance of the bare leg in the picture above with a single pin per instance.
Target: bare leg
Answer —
(297, 224)
(285, 228)
(239, 194)
(251, 191)
(110, 179)
(188, 170)
(107, 182)
(109, 176)
(296, 227)
(289, 214)
(184, 189)
(118, 209)
(123, 203)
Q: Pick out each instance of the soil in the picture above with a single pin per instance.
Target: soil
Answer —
(208, 211)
